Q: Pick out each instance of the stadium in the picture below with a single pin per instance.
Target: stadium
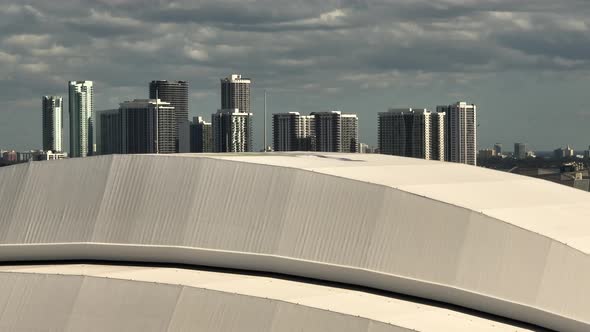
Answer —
(289, 242)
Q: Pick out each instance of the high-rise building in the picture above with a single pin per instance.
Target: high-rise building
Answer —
(520, 151)
(108, 132)
(350, 133)
(232, 131)
(201, 135)
(285, 127)
(498, 149)
(415, 133)
(460, 133)
(81, 107)
(306, 133)
(364, 148)
(293, 132)
(52, 123)
(486, 154)
(328, 131)
(175, 93)
(437, 135)
(235, 93)
(147, 126)
(567, 152)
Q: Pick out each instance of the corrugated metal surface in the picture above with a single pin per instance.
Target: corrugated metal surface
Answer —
(398, 224)
(131, 298)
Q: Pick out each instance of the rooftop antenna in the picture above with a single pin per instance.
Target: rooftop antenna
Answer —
(265, 143)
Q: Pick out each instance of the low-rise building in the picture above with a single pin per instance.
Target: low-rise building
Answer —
(50, 155)
(487, 153)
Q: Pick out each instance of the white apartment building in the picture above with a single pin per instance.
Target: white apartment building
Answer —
(81, 107)
(232, 131)
(350, 133)
(461, 132)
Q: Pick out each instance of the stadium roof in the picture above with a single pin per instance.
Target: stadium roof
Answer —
(175, 299)
(495, 242)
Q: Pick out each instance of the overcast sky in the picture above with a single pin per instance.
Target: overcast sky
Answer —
(524, 63)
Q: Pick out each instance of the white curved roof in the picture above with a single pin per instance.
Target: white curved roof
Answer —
(495, 242)
(536, 205)
(175, 299)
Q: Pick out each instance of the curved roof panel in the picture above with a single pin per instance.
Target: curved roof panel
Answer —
(486, 240)
(175, 299)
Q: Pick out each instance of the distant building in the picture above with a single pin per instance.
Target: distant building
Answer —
(293, 132)
(108, 132)
(587, 153)
(520, 151)
(438, 140)
(487, 153)
(460, 133)
(335, 132)
(414, 133)
(52, 108)
(147, 126)
(232, 131)
(81, 108)
(566, 152)
(328, 131)
(175, 93)
(321, 131)
(24, 156)
(349, 133)
(235, 93)
(306, 133)
(286, 131)
(10, 156)
(50, 155)
(201, 135)
(498, 149)
(364, 148)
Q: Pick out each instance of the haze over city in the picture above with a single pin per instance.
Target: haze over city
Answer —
(524, 64)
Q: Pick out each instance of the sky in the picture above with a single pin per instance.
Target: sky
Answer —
(525, 63)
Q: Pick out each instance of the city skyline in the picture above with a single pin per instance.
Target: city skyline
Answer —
(525, 65)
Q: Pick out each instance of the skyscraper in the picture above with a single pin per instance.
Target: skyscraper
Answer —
(81, 107)
(235, 93)
(306, 133)
(437, 135)
(461, 132)
(498, 149)
(284, 131)
(293, 132)
(520, 151)
(108, 132)
(415, 133)
(201, 135)
(175, 93)
(350, 133)
(232, 131)
(147, 126)
(52, 123)
(232, 124)
(328, 131)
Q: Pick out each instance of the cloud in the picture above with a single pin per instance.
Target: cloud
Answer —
(27, 40)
